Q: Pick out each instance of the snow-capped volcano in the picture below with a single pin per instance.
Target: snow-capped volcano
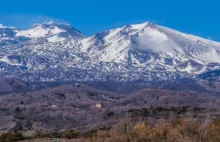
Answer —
(52, 51)
(52, 31)
(151, 46)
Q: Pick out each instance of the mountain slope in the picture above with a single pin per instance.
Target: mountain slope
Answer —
(12, 85)
(68, 107)
(59, 52)
(152, 46)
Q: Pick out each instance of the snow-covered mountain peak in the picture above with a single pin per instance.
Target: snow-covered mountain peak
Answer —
(38, 31)
(52, 31)
(143, 25)
(153, 46)
(143, 48)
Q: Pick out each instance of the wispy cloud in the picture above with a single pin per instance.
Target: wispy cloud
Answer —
(157, 43)
(23, 20)
(1, 26)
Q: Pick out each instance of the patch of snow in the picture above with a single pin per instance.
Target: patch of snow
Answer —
(188, 69)
(204, 69)
(6, 60)
(139, 26)
(55, 39)
(38, 31)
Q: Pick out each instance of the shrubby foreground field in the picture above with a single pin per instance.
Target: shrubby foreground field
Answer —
(172, 130)
(82, 113)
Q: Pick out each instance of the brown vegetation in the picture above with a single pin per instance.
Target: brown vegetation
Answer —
(185, 130)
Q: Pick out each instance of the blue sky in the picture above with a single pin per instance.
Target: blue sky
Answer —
(199, 17)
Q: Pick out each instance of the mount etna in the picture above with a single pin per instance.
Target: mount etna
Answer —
(148, 54)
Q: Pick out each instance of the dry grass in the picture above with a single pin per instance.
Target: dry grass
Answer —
(186, 130)
(165, 131)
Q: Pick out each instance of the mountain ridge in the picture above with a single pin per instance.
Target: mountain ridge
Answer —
(59, 52)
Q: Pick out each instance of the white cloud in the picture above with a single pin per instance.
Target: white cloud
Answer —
(156, 42)
(1, 26)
